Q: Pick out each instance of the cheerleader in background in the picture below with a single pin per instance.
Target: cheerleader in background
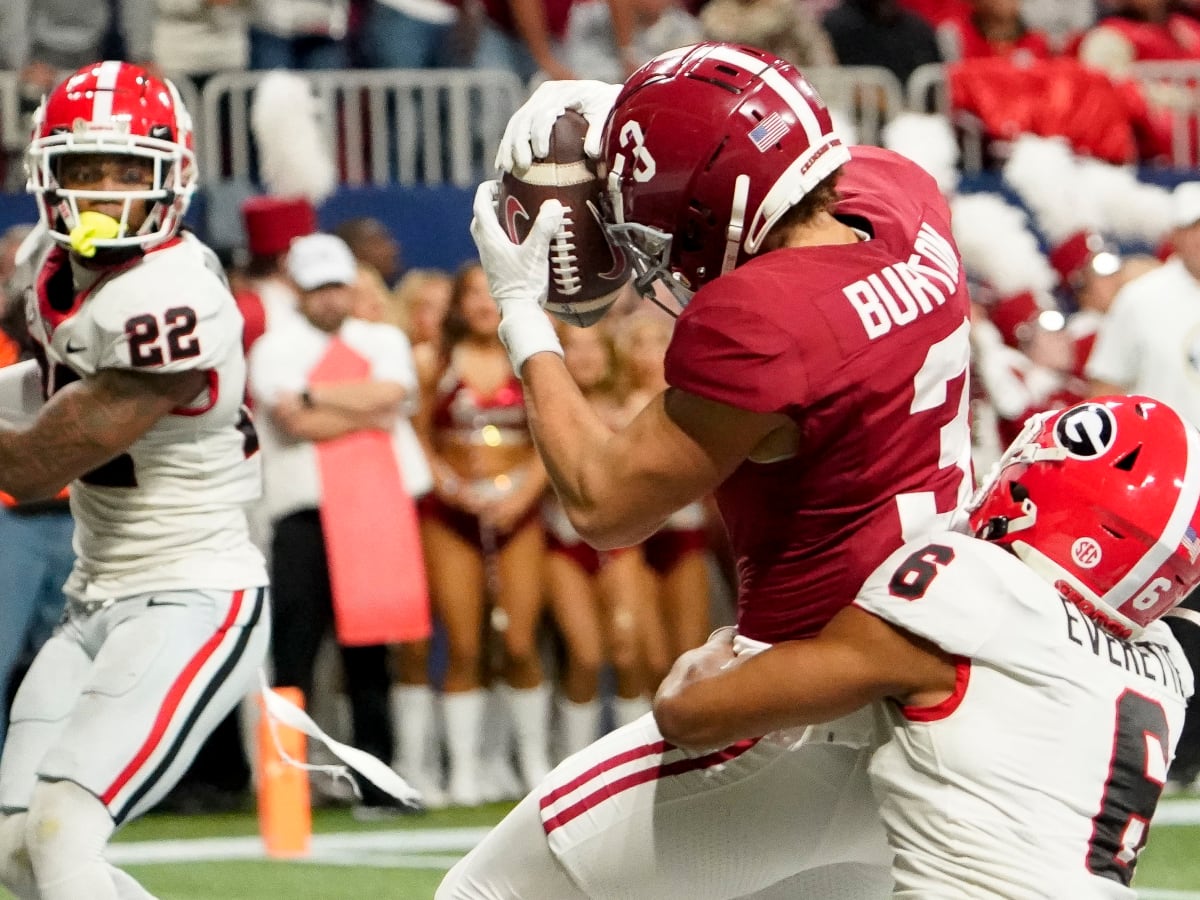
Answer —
(483, 541)
(598, 599)
(677, 553)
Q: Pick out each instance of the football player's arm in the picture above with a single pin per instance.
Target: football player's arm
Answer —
(707, 701)
(86, 424)
(619, 487)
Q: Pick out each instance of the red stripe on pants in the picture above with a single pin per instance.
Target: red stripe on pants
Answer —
(611, 789)
(173, 699)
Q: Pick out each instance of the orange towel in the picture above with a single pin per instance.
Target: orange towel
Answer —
(376, 569)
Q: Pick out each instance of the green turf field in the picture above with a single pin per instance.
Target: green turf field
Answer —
(405, 858)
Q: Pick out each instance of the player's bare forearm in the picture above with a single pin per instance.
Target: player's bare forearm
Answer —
(85, 425)
(575, 445)
(360, 396)
(856, 660)
(618, 487)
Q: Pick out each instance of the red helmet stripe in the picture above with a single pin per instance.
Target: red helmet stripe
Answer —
(106, 82)
(1172, 534)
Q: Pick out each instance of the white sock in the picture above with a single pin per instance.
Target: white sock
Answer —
(579, 722)
(530, 716)
(464, 727)
(629, 710)
(412, 718)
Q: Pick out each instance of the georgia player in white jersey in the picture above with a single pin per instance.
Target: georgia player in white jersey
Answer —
(1036, 775)
(142, 370)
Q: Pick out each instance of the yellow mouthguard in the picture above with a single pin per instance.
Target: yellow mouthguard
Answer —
(92, 226)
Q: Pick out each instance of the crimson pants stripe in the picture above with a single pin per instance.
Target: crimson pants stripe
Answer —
(175, 697)
(653, 773)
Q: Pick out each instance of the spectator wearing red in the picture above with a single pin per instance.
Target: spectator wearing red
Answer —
(271, 224)
(991, 28)
(1140, 31)
(1150, 31)
(935, 12)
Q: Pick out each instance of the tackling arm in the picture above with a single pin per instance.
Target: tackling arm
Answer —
(86, 424)
(618, 488)
(711, 701)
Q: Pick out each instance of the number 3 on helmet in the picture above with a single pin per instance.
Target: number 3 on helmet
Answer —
(114, 107)
(705, 148)
(1101, 500)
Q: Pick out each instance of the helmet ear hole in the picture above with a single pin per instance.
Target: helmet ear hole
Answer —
(1018, 491)
(1126, 462)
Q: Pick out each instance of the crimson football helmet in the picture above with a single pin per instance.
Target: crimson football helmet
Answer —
(1101, 500)
(705, 148)
(114, 107)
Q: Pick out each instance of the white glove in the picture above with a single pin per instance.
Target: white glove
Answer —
(527, 134)
(518, 275)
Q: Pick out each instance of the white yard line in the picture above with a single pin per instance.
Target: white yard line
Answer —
(1178, 812)
(441, 848)
(325, 847)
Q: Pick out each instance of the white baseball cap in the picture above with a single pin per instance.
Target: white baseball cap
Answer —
(1185, 204)
(316, 260)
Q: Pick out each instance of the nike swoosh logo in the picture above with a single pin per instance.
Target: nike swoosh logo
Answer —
(620, 269)
(154, 601)
(71, 349)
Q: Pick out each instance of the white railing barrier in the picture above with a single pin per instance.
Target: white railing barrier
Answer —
(430, 126)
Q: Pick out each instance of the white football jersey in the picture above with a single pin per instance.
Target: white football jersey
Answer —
(1039, 776)
(169, 512)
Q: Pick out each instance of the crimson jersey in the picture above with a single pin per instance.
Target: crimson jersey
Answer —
(865, 347)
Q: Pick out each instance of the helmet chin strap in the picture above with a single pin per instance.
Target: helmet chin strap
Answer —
(737, 223)
(998, 527)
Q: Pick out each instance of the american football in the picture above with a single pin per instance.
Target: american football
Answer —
(586, 271)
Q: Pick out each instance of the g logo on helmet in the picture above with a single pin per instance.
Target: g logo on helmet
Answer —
(1087, 431)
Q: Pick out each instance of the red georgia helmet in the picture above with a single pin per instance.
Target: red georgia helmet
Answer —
(114, 107)
(705, 148)
(1101, 500)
